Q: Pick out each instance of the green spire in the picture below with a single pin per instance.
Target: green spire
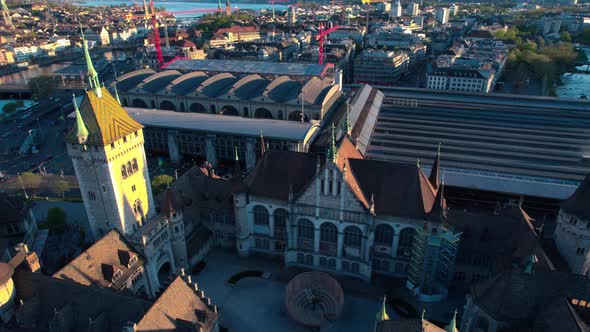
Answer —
(382, 313)
(219, 5)
(452, 327)
(117, 94)
(332, 153)
(81, 131)
(346, 125)
(528, 269)
(92, 73)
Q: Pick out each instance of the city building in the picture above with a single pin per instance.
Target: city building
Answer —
(548, 25)
(526, 298)
(396, 9)
(17, 225)
(251, 96)
(499, 157)
(572, 234)
(291, 15)
(413, 9)
(25, 52)
(380, 67)
(441, 15)
(43, 303)
(454, 9)
(460, 79)
(106, 148)
(6, 57)
(317, 212)
(111, 262)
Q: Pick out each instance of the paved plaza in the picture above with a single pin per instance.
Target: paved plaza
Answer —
(256, 304)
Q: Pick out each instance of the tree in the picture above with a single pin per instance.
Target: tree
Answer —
(56, 220)
(9, 108)
(565, 36)
(60, 187)
(41, 86)
(161, 182)
(31, 181)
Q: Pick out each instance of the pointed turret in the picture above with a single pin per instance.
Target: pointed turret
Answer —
(435, 171)
(81, 131)
(237, 171)
(219, 6)
(117, 94)
(91, 72)
(346, 127)
(262, 145)
(438, 213)
(452, 327)
(332, 152)
(382, 313)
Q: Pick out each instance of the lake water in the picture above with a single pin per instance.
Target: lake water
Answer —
(575, 85)
(22, 77)
(175, 6)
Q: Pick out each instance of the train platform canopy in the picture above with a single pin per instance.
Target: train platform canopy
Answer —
(293, 70)
(523, 145)
(228, 125)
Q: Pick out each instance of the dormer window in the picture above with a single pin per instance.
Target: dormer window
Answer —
(118, 274)
(132, 261)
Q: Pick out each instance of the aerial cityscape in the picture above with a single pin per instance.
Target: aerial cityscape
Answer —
(282, 165)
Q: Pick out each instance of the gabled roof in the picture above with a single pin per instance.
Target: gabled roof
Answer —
(578, 203)
(278, 171)
(177, 308)
(398, 190)
(97, 264)
(105, 120)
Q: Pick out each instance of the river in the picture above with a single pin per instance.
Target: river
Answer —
(575, 85)
(177, 6)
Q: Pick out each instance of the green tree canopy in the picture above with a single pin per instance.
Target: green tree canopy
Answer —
(9, 108)
(31, 181)
(41, 86)
(161, 182)
(60, 187)
(56, 220)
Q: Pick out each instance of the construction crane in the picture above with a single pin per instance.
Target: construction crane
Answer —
(156, 34)
(321, 36)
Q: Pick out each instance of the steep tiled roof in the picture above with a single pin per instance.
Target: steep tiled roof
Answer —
(105, 120)
(82, 306)
(179, 306)
(516, 296)
(578, 203)
(97, 264)
(278, 171)
(399, 190)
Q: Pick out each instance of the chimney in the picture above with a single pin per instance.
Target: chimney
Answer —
(213, 308)
(195, 286)
(182, 271)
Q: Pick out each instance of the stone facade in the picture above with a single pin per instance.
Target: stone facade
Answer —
(572, 237)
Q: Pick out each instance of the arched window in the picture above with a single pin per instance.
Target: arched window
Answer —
(134, 165)
(129, 168)
(353, 237)
(280, 229)
(328, 232)
(260, 216)
(406, 237)
(384, 235)
(328, 238)
(123, 171)
(305, 234)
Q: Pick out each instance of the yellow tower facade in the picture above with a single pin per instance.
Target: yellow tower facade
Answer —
(107, 149)
(7, 292)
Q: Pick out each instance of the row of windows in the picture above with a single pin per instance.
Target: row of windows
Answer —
(129, 168)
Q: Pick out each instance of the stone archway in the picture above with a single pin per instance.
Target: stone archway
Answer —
(139, 103)
(263, 113)
(164, 274)
(167, 105)
(229, 110)
(197, 108)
